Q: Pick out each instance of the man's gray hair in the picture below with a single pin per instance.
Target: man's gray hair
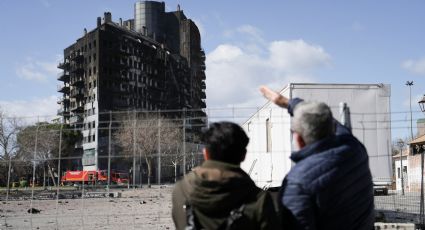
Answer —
(313, 121)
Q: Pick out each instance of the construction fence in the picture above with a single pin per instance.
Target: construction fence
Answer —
(117, 169)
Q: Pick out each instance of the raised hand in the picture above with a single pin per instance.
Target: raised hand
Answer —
(274, 96)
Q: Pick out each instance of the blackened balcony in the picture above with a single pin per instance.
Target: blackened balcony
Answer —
(77, 81)
(64, 65)
(63, 88)
(202, 75)
(78, 108)
(77, 93)
(63, 112)
(203, 96)
(78, 57)
(64, 100)
(203, 67)
(77, 69)
(203, 105)
(64, 76)
(203, 86)
(202, 54)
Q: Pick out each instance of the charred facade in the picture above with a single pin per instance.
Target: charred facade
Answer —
(153, 62)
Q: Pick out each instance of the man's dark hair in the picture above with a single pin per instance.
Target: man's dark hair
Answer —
(226, 142)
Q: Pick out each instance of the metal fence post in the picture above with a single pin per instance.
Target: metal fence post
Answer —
(109, 150)
(59, 174)
(8, 178)
(422, 214)
(184, 141)
(134, 149)
(33, 173)
(159, 148)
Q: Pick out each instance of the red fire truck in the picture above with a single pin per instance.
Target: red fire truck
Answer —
(94, 177)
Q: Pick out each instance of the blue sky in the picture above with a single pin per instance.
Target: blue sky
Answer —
(247, 43)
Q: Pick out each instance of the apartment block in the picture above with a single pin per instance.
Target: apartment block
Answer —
(152, 62)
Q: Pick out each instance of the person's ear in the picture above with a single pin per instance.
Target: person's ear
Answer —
(206, 154)
(300, 141)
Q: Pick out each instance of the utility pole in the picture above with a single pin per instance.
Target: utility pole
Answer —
(410, 83)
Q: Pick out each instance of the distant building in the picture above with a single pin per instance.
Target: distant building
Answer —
(150, 63)
(420, 124)
(411, 165)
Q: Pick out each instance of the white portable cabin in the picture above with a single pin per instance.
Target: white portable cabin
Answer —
(267, 160)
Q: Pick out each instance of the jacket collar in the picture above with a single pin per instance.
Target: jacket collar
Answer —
(220, 165)
(313, 148)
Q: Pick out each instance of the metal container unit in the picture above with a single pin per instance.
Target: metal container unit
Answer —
(365, 106)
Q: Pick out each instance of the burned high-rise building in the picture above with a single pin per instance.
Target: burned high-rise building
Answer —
(153, 62)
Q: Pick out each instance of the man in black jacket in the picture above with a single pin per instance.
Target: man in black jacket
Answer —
(330, 186)
(219, 194)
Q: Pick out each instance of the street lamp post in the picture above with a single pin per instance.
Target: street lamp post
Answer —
(400, 144)
(422, 207)
(410, 83)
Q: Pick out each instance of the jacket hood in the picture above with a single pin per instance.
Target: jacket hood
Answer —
(217, 187)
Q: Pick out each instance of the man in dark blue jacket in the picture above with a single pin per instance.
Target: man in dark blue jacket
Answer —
(330, 185)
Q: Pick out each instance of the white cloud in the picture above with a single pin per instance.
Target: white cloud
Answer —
(415, 66)
(41, 71)
(36, 109)
(235, 71)
(252, 32)
(297, 56)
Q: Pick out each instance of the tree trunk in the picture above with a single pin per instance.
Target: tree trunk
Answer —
(148, 163)
(44, 176)
(175, 172)
(51, 174)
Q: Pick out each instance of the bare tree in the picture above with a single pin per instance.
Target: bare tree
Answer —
(140, 135)
(40, 143)
(9, 127)
(43, 154)
(173, 142)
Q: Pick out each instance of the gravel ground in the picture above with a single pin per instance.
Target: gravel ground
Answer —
(146, 208)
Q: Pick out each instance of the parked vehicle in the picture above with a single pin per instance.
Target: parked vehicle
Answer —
(94, 177)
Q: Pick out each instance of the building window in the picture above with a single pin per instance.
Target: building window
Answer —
(398, 172)
(268, 136)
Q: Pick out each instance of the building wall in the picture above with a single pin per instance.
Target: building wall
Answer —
(406, 168)
(420, 124)
(414, 173)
